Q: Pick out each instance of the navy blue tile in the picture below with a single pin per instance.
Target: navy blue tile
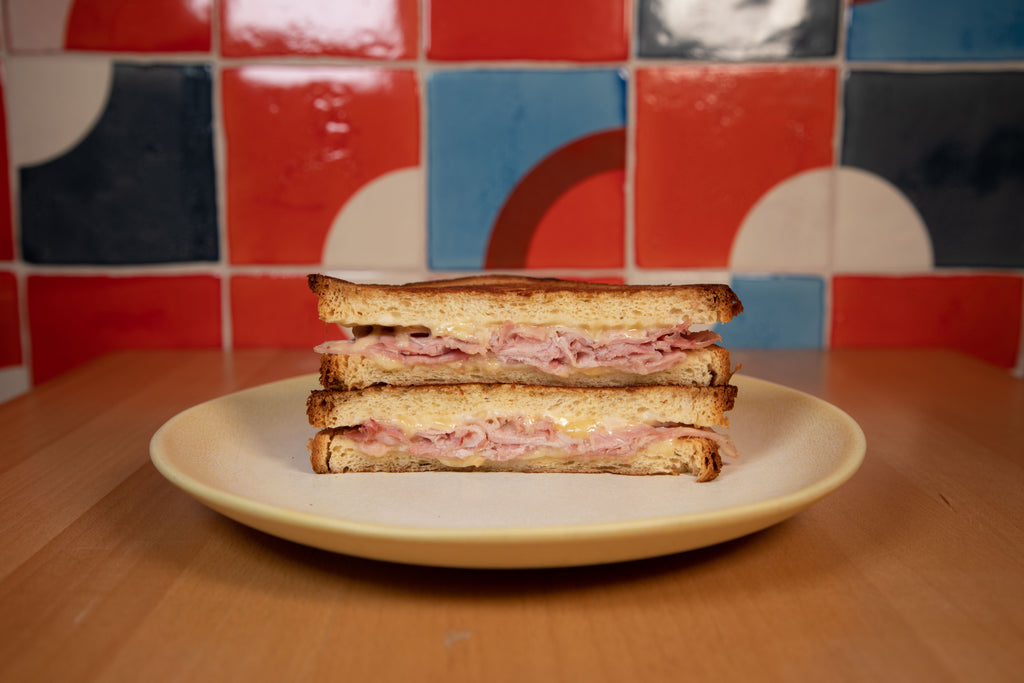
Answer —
(953, 143)
(139, 187)
(947, 30)
(736, 30)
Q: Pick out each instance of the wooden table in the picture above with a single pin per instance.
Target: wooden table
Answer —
(913, 570)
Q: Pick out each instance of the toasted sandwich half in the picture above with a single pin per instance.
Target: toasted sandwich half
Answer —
(521, 330)
(639, 430)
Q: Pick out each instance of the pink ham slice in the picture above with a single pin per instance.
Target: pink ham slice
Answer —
(506, 439)
(553, 350)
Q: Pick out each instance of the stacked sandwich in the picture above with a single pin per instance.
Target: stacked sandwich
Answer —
(502, 373)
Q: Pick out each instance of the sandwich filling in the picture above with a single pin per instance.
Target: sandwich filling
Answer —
(505, 438)
(556, 350)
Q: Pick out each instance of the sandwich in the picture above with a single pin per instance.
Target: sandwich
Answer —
(501, 373)
(521, 428)
(523, 330)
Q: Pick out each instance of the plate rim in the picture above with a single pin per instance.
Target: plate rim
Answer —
(787, 504)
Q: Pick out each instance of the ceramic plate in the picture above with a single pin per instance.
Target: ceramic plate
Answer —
(245, 456)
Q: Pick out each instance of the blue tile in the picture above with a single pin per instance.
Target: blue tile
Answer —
(778, 313)
(487, 129)
(953, 143)
(736, 30)
(139, 187)
(947, 30)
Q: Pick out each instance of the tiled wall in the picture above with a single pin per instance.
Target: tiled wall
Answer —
(176, 167)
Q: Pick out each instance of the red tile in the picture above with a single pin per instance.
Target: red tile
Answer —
(301, 141)
(276, 312)
(977, 314)
(6, 230)
(710, 141)
(383, 29)
(527, 29)
(73, 319)
(10, 323)
(129, 25)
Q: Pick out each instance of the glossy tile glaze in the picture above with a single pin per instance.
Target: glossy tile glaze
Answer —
(301, 142)
(737, 30)
(383, 29)
(961, 166)
(710, 142)
(138, 187)
(931, 311)
(109, 25)
(527, 29)
(120, 312)
(519, 161)
(946, 30)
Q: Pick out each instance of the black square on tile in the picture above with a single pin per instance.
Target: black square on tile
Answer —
(953, 143)
(139, 187)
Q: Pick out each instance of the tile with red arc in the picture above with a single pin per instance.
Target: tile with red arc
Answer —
(109, 25)
(382, 29)
(527, 29)
(526, 169)
(710, 141)
(977, 314)
(301, 142)
(105, 314)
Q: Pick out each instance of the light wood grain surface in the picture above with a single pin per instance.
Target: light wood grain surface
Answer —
(913, 570)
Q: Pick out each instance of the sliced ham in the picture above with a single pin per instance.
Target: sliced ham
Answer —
(507, 439)
(555, 350)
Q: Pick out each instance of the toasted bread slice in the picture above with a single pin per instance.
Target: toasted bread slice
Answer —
(487, 301)
(702, 367)
(331, 452)
(450, 404)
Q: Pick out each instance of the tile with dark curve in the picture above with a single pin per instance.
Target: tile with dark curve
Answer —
(936, 311)
(526, 169)
(944, 30)
(109, 25)
(119, 312)
(383, 29)
(139, 187)
(711, 141)
(737, 30)
(527, 29)
(782, 311)
(953, 144)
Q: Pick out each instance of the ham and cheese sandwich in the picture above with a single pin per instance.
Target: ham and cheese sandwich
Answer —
(525, 331)
(503, 373)
(638, 430)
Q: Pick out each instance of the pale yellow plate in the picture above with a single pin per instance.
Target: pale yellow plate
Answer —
(245, 456)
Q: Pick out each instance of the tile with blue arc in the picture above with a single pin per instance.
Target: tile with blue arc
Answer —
(139, 186)
(737, 30)
(960, 163)
(526, 168)
(779, 312)
(942, 30)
